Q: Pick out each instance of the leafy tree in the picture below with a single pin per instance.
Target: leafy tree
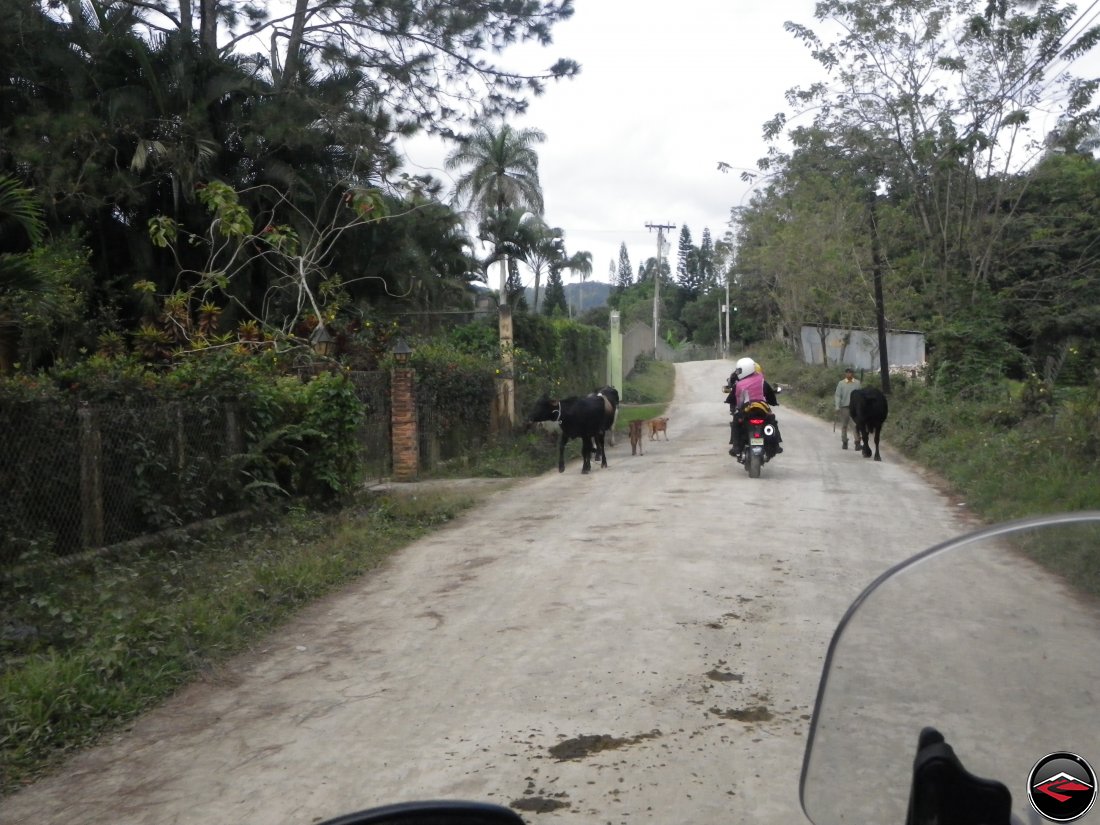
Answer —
(305, 291)
(425, 62)
(702, 316)
(116, 112)
(934, 94)
(1049, 284)
(805, 239)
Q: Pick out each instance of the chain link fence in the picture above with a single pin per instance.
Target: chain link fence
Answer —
(85, 476)
(77, 477)
(373, 390)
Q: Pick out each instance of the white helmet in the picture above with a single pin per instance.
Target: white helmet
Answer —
(744, 368)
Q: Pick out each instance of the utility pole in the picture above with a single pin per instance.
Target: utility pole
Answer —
(727, 347)
(661, 246)
(880, 304)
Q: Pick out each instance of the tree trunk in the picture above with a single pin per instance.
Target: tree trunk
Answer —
(9, 345)
(880, 308)
(186, 27)
(208, 26)
(293, 59)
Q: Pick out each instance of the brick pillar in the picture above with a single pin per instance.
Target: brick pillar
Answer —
(406, 443)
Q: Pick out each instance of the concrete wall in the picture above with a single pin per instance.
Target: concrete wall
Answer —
(859, 347)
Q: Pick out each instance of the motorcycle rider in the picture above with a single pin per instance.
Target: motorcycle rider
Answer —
(748, 385)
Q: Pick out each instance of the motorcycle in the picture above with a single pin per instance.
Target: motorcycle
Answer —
(969, 660)
(760, 435)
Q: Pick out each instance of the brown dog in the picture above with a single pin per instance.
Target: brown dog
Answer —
(636, 438)
(658, 425)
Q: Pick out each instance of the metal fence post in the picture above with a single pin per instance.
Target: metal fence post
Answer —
(233, 430)
(91, 478)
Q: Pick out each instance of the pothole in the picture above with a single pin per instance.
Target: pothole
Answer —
(584, 746)
(760, 713)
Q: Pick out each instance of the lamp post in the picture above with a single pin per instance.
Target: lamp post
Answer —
(403, 420)
(322, 342)
(401, 353)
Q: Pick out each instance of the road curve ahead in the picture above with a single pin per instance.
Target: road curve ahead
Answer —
(638, 645)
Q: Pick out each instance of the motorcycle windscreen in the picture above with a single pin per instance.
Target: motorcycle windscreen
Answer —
(975, 638)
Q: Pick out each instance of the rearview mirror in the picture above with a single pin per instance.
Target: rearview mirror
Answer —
(431, 813)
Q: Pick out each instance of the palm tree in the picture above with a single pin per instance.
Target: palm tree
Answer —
(523, 236)
(545, 251)
(580, 264)
(21, 227)
(502, 170)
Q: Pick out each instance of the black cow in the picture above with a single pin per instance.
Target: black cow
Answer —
(582, 418)
(868, 409)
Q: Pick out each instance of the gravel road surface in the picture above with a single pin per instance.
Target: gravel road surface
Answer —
(639, 645)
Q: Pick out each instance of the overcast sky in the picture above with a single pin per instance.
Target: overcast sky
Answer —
(666, 91)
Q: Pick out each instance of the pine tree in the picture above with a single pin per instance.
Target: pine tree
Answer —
(689, 266)
(554, 299)
(683, 255)
(707, 271)
(514, 287)
(626, 274)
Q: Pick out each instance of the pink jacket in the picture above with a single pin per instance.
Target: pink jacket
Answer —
(752, 386)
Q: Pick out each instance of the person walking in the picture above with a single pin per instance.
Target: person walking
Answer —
(841, 398)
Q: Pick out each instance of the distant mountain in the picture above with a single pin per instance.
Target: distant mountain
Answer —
(582, 297)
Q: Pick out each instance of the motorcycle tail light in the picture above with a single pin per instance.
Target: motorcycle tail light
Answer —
(756, 421)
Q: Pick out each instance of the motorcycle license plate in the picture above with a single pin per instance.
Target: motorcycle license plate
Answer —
(756, 440)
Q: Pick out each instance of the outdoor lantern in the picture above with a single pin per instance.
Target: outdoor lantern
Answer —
(401, 352)
(322, 342)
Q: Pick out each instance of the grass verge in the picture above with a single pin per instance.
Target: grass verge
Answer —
(87, 646)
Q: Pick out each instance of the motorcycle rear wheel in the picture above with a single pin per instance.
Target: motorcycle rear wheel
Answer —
(753, 464)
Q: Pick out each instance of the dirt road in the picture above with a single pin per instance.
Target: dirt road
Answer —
(640, 645)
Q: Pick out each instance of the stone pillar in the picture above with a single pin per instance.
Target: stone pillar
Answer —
(615, 353)
(403, 425)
